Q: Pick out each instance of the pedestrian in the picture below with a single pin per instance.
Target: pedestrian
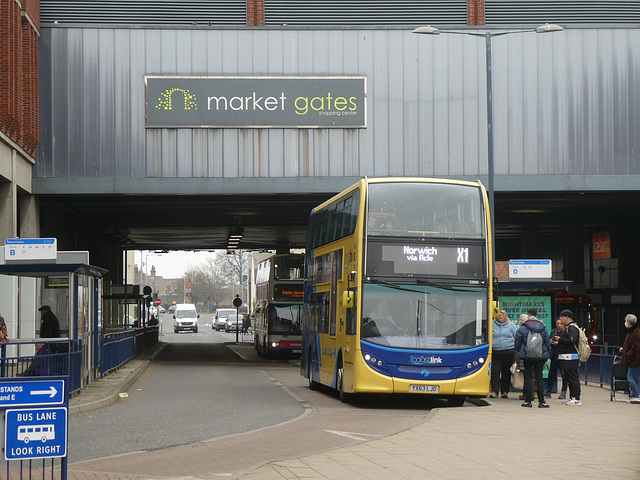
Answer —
(246, 324)
(631, 355)
(50, 326)
(534, 358)
(4, 337)
(502, 356)
(567, 347)
(523, 318)
(41, 364)
(520, 362)
(554, 367)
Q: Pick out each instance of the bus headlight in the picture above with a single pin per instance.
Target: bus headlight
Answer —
(471, 366)
(378, 364)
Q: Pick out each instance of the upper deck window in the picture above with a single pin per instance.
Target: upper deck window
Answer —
(425, 210)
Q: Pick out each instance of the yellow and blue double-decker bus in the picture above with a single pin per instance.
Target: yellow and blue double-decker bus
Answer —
(398, 293)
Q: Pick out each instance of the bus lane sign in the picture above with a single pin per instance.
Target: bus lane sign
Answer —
(35, 433)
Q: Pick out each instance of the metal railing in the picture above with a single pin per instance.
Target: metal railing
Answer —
(59, 358)
(597, 370)
(64, 357)
(120, 347)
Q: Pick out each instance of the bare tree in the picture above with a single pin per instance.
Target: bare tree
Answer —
(235, 267)
(215, 281)
(217, 286)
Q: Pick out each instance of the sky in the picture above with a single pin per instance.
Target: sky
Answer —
(172, 264)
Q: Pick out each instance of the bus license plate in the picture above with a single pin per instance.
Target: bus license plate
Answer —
(424, 388)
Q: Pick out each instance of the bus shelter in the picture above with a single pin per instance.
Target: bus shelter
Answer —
(72, 289)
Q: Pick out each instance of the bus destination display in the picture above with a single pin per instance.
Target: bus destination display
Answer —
(424, 259)
(287, 292)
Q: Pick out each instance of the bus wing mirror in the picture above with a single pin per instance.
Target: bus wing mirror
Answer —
(348, 299)
(495, 309)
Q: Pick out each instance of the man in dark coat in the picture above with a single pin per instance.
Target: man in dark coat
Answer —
(567, 347)
(50, 326)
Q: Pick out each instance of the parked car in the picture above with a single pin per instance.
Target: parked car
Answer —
(172, 309)
(234, 322)
(185, 318)
(161, 309)
(220, 320)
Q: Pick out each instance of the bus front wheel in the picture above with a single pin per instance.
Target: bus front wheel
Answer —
(344, 397)
(313, 385)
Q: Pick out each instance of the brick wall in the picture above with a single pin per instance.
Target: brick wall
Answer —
(255, 13)
(19, 102)
(475, 12)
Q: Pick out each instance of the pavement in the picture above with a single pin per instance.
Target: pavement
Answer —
(106, 390)
(490, 439)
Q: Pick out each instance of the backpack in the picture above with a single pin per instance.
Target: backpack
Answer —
(533, 348)
(583, 348)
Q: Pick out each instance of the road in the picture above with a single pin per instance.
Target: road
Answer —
(187, 412)
(198, 389)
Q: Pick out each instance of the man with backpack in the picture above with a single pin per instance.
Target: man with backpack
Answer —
(566, 344)
(532, 345)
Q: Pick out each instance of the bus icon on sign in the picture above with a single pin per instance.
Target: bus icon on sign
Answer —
(27, 433)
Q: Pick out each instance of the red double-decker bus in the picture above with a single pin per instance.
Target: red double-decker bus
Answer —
(279, 284)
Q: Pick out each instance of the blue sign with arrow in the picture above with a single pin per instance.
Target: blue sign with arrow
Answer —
(31, 392)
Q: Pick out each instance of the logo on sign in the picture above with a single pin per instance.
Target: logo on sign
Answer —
(425, 360)
(165, 102)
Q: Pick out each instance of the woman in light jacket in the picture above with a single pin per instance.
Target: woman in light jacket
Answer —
(504, 334)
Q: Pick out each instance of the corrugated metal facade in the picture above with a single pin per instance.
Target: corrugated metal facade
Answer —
(566, 103)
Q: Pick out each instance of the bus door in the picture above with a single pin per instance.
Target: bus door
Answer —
(348, 326)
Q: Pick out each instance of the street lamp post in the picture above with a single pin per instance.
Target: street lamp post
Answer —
(546, 28)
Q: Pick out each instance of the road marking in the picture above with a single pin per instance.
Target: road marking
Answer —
(351, 435)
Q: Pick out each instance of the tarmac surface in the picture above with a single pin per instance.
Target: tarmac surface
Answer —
(500, 440)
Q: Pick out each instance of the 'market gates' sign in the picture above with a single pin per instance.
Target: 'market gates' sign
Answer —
(256, 102)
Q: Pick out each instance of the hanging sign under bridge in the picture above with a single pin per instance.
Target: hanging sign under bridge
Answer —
(256, 102)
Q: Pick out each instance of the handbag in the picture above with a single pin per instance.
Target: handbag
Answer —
(517, 377)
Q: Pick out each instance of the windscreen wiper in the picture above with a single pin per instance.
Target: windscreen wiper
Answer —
(453, 288)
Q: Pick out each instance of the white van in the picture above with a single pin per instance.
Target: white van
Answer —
(220, 321)
(185, 317)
